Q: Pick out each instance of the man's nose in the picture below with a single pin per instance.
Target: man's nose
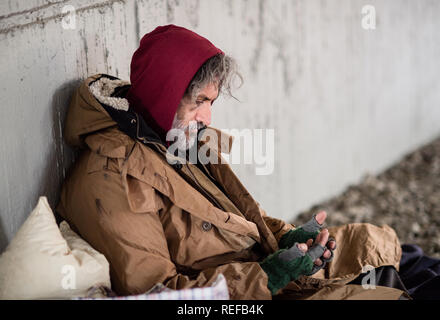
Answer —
(204, 114)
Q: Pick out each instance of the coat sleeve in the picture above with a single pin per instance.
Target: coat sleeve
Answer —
(277, 226)
(137, 250)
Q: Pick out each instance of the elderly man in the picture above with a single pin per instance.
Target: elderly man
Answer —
(160, 219)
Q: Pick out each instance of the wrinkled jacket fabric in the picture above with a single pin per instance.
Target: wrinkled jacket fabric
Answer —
(182, 226)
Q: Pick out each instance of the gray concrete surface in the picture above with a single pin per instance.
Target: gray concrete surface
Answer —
(343, 101)
(405, 197)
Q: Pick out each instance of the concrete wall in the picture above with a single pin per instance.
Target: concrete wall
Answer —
(342, 100)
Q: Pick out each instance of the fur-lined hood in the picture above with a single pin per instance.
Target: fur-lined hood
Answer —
(99, 103)
(86, 114)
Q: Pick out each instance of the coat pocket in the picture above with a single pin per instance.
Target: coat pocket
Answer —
(141, 196)
(96, 162)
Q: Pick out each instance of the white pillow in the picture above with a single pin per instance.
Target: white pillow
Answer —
(44, 262)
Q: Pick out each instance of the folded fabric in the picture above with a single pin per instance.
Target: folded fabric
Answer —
(420, 273)
(218, 291)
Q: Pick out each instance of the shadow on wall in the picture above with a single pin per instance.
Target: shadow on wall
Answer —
(57, 161)
(61, 156)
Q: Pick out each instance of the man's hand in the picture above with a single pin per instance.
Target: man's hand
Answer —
(308, 234)
(286, 265)
(322, 239)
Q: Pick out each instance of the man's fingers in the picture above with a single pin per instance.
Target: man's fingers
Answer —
(309, 243)
(322, 237)
(331, 244)
(327, 254)
(318, 262)
(321, 216)
(303, 247)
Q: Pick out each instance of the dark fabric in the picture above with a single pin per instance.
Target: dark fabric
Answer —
(420, 273)
(161, 70)
(386, 276)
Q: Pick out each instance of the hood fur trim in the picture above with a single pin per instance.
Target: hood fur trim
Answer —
(102, 90)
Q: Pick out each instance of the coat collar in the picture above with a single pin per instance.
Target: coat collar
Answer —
(110, 92)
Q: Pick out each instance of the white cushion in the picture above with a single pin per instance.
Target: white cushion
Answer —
(46, 262)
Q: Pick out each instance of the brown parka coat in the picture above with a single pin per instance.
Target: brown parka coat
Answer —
(183, 225)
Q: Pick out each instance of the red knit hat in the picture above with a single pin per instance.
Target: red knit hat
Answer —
(161, 69)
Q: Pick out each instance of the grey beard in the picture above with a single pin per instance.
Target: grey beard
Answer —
(183, 143)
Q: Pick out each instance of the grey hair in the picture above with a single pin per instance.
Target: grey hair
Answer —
(220, 70)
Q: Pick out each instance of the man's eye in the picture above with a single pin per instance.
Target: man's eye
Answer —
(198, 103)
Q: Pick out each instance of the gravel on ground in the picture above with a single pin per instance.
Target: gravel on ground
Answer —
(406, 197)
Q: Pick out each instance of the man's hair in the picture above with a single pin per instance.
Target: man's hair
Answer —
(219, 69)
